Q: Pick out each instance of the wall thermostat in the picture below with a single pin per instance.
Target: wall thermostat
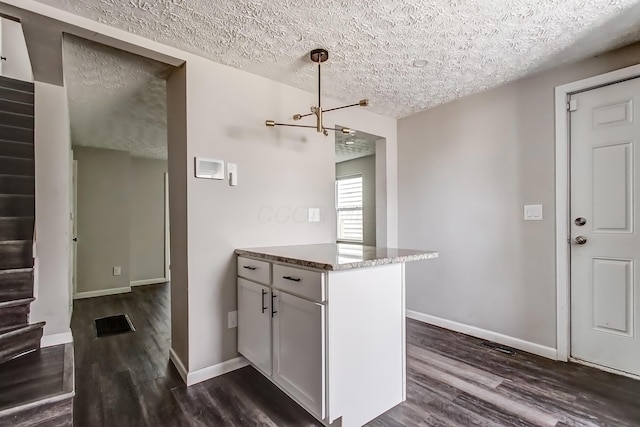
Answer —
(209, 168)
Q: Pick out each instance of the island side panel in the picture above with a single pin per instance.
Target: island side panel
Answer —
(366, 342)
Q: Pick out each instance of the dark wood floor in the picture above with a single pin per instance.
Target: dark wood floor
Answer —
(127, 380)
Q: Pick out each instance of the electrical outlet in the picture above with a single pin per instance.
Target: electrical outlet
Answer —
(314, 214)
(117, 271)
(232, 319)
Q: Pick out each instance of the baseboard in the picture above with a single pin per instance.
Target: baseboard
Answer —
(101, 293)
(213, 371)
(529, 347)
(56, 339)
(148, 282)
(195, 377)
(178, 364)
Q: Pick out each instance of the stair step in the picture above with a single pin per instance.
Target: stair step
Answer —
(12, 133)
(16, 228)
(11, 106)
(16, 184)
(20, 340)
(17, 205)
(16, 120)
(15, 84)
(16, 95)
(38, 389)
(16, 149)
(17, 166)
(14, 313)
(16, 285)
(16, 254)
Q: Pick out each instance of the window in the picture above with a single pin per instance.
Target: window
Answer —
(349, 208)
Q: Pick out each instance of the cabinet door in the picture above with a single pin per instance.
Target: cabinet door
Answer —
(299, 350)
(254, 324)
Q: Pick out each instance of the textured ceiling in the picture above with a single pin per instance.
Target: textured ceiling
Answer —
(117, 100)
(470, 45)
(364, 144)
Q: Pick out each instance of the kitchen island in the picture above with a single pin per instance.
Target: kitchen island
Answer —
(326, 324)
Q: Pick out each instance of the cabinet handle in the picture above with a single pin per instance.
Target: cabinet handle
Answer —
(273, 296)
(248, 267)
(263, 294)
(293, 279)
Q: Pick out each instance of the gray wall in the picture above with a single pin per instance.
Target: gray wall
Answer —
(121, 216)
(53, 198)
(365, 166)
(465, 170)
(178, 169)
(282, 172)
(147, 217)
(102, 218)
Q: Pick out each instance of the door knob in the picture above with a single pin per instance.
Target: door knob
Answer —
(580, 221)
(580, 240)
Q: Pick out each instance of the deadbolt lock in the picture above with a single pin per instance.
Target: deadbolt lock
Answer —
(580, 221)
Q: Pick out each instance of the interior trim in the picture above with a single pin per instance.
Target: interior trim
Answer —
(517, 343)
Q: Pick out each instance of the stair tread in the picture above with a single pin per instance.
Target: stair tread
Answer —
(16, 158)
(26, 144)
(15, 302)
(17, 195)
(18, 329)
(20, 196)
(35, 379)
(10, 175)
(15, 270)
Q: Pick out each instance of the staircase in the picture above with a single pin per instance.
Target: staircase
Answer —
(36, 386)
(17, 212)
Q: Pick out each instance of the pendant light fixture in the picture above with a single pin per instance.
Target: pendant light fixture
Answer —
(319, 56)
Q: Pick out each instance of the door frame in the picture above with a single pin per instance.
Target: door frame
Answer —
(563, 197)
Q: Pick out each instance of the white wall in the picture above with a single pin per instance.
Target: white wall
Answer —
(465, 171)
(282, 172)
(178, 167)
(120, 219)
(53, 181)
(14, 48)
(147, 216)
(365, 166)
(103, 217)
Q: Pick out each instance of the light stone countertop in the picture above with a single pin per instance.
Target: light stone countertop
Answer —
(336, 256)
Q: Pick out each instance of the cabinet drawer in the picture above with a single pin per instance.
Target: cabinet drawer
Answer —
(258, 271)
(304, 283)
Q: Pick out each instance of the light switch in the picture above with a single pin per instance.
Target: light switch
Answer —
(232, 171)
(314, 214)
(533, 212)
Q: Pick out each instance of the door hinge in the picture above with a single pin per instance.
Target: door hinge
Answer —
(572, 105)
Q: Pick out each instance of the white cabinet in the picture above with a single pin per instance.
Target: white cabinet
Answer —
(299, 349)
(254, 324)
(334, 341)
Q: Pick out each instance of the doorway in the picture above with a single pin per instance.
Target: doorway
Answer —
(602, 247)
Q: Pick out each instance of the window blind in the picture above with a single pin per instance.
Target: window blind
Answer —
(349, 203)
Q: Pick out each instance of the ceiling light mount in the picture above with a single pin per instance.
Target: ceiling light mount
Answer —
(319, 56)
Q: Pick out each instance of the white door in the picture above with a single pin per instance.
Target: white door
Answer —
(605, 249)
(298, 350)
(254, 324)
